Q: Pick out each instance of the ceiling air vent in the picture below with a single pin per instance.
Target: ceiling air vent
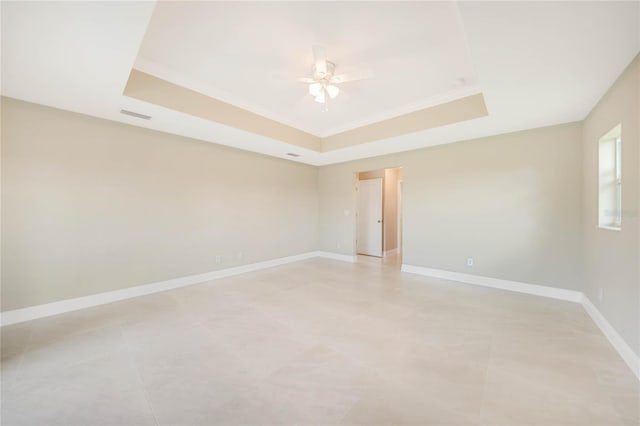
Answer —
(293, 154)
(135, 114)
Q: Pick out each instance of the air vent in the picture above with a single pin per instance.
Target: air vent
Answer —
(135, 114)
(293, 154)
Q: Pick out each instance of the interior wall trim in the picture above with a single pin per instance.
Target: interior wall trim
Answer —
(537, 290)
(48, 309)
(337, 256)
(618, 343)
(390, 252)
(625, 351)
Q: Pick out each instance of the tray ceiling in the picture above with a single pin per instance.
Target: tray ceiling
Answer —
(534, 63)
(250, 54)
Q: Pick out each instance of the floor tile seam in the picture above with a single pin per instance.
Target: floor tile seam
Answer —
(299, 335)
(377, 372)
(370, 369)
(486, 380)
(14, 379)
(347, 411)
(444, 406)
(267, 313)
(545, 387)
(607, 394)
(181, 304)
(32, 344)
(28, 339)
(197, 318)
(19, 364)
(129, 355)
(57, 368)
(228, 349)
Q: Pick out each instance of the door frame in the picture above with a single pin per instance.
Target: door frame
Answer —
(352, 222)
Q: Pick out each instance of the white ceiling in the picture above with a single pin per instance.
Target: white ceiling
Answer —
(538, 64)
(249, 55)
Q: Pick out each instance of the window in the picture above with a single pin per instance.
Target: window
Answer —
(610, 180)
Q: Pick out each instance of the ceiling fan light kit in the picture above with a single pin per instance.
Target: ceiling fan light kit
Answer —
(332, 90)
(320, 91)
(315, 89)
(322, 86)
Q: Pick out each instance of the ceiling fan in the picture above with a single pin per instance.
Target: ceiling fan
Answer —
(323, 84)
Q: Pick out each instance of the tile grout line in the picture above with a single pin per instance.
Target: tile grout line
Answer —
(138, 375)
(22, 354)
(486, 375)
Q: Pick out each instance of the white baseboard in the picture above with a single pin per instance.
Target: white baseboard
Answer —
(336, 256)
(538, 290)
(49, 309)
(625, 351)
(54, 308)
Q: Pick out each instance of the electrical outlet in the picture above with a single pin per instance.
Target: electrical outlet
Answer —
(239, 256)
(339, 245)
(218, 259)
(470, 261)
(600, 294)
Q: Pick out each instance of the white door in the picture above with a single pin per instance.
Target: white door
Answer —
(369, 238)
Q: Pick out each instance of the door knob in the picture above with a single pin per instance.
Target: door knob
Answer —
(379, 221)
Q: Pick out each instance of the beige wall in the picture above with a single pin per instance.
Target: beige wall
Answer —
(612, 258)
(512, 202)
(90, 205)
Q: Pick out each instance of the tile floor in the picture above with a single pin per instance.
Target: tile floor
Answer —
(318, 342)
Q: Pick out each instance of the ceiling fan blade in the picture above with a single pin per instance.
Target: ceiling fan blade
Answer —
(319, 59)
(292, 77)
(352, 76)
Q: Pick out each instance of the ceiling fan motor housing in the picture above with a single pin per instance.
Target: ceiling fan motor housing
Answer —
(326, 76)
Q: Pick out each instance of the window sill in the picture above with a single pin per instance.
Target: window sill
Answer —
(610, 228)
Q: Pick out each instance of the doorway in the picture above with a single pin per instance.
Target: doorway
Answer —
(379, 213)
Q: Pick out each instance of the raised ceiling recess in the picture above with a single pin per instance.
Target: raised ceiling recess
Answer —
(246, 58)
(232, 68)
